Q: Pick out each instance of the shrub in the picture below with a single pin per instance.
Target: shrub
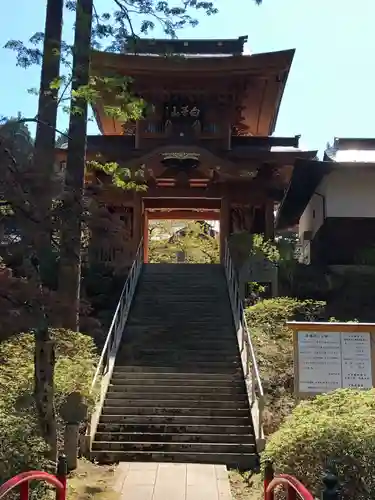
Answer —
(274, 350)
(21, 447)
(336, 430)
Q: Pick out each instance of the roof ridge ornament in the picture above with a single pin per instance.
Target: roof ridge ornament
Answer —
(180, 155)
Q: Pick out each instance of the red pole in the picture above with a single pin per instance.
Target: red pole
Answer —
(24, 491)
(291, 493)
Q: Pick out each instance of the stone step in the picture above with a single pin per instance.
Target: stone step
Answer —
(168, 333)
(172, 335)
(180, 363)
(183, 362)
(182, 273)
(240, 430)
(200, 390)
(196, 398)
(187, 322)
(165, 378)
(179, 437)
(171, 447)
(190, 273)
(185, 319)
(192, 323)
(170, 411)
(153, 345)
(187, 370)
(187, 278)
(180, 288)
(152, 338)
(176, 403)
(177, 291)
(181, 305)
(241, 461)
(155, 340)
(177, 420)
(134, 357)
(177, 273)
(193, 299)
(181, 296)
(180, 368)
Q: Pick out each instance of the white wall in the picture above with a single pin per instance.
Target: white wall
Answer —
(313, 216)
(348, 192)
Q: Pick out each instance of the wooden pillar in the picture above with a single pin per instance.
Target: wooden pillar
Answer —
(145, 236)
(269, 220)
(224, 226)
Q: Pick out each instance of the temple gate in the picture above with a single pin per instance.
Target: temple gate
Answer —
(204, 147)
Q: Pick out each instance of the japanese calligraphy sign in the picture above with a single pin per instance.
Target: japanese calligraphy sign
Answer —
(187, 111)
(329, 356)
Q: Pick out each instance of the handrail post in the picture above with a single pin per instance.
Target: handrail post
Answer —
(268, 475)
(291, 493)
(253, 382)
(24, 491)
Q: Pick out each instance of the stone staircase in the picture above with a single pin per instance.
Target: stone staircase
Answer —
(177, 392)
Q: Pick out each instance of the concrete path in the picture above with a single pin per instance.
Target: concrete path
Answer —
(169, 481)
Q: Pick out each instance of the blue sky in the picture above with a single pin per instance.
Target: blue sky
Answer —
(330, 91)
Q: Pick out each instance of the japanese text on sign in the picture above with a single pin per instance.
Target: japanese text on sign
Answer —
(330, 360)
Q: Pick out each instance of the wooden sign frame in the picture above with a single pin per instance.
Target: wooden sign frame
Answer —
(327, 327)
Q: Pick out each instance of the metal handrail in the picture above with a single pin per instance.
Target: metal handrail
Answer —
(120, 316)
(106, 363)
(249, 362)
(22, 480)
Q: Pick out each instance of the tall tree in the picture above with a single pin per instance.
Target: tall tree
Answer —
(44, 159)
(71, 229)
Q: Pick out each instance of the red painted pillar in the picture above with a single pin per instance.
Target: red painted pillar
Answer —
(145, 236)
(224, 226)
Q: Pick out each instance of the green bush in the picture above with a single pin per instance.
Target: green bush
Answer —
(274, 350)
(335, 430)
(21, 447)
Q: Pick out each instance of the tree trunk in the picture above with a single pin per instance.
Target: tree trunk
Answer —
(70, 239)
(44, 158)
(44, 361)
(44, 153)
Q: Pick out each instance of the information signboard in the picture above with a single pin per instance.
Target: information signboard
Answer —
(329, 356)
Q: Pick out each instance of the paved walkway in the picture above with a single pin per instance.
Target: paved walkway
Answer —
(169, 481)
